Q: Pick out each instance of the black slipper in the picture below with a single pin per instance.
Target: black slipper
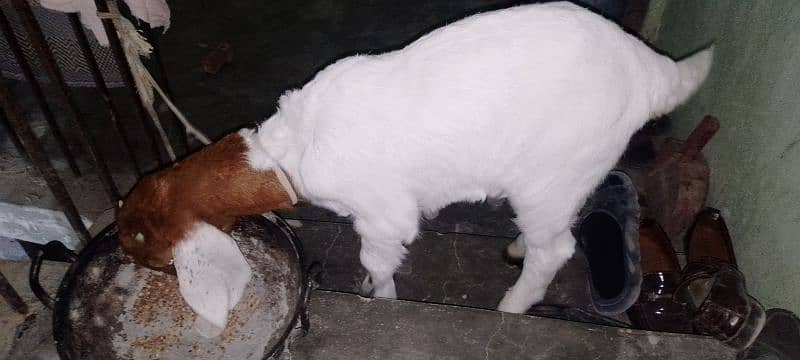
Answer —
(608, 232)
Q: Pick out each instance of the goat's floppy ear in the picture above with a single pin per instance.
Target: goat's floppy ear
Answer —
(212, 274)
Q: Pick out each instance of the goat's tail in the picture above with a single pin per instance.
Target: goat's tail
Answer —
(685, 77)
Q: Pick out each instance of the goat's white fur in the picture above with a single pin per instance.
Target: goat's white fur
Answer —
(534, 103)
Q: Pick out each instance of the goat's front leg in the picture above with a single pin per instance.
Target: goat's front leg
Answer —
(381, 254)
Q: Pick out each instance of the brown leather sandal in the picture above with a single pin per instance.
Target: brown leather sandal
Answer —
(714, 289)
(656, 308)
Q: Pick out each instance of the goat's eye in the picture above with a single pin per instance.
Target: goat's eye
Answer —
(139, 237)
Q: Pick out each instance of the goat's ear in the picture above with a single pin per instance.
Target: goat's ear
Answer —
(212, 275)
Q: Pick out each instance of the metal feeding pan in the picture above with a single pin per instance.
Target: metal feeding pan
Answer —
(109, 308)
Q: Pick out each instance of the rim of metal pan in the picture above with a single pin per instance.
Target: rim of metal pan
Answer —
(61, 329)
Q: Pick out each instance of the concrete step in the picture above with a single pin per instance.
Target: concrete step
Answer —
(346, 326)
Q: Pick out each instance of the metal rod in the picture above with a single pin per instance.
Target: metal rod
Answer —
(100, 84)
(11, 296)
(127, 78)
(38, 156)
(51, 67)
(16, 49)
(14, 138)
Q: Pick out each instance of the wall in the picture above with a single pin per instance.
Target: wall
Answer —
(754, 89)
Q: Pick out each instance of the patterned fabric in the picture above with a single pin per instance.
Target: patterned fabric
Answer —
(60, 36)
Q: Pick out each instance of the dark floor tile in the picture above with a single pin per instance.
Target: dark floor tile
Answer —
(462, 218)
(443, 268)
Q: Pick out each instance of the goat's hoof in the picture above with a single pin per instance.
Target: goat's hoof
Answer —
(511, 306)
(367, 289)
(512, 260)
(430, 215)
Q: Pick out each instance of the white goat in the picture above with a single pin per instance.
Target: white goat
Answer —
(534, 103)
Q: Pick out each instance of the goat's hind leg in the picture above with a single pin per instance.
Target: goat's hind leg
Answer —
(546, 243)
(540, 265)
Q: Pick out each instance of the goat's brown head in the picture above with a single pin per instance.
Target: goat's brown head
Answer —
(148, 225)
(215, 185)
